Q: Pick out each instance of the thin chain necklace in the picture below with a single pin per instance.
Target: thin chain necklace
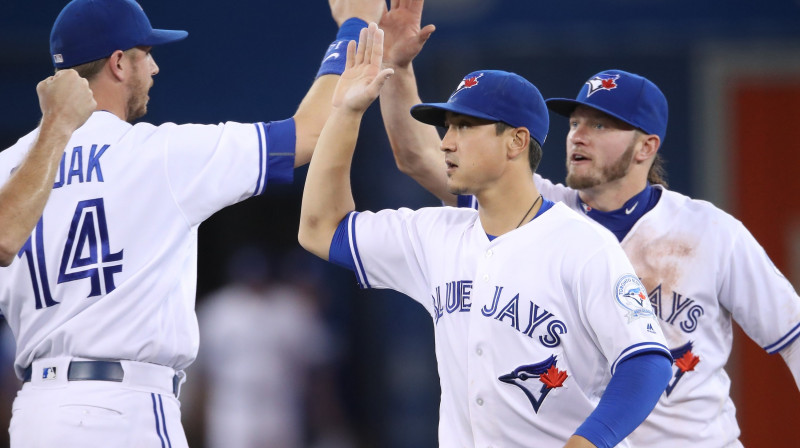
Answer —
(529, 210)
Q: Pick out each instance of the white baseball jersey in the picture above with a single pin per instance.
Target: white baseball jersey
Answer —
(109, 273)
(529, 327)
(701, 267)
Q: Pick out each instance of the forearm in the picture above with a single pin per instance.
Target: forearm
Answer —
(629, 398)
(327, 195)
(23, 197)
(311, 115)
(315, 107)
(416, 146)
(791, 355)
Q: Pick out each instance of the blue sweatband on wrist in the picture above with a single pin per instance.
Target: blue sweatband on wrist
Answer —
(334, 60)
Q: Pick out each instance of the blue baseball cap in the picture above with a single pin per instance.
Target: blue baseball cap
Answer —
(88, 30)
(632, 98)
(493, 95)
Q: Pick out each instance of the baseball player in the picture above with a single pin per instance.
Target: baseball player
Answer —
(700, 266)
(66, 102)
(101, 296)
(534, 308)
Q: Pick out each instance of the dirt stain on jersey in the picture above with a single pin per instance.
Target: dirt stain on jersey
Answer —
(659, 261)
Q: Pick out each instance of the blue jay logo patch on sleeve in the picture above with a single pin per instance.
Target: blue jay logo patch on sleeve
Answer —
(631, 295)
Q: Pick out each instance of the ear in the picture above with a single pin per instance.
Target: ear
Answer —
(648, 147)
(118, 65)
(518, 141)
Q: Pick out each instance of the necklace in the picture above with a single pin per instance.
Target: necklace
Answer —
(529, 210)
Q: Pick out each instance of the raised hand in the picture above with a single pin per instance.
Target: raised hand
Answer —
(404, 37)
(66, 100)
(366, 10)
(363, 76)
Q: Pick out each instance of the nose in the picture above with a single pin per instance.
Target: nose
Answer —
(448, 142)
(577, 134)
(153, 66)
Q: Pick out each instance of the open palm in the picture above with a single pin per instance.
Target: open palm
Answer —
(363, 78)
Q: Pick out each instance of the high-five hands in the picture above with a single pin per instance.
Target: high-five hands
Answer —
(363, 77)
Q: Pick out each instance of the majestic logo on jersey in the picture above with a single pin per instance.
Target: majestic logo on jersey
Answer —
(630, 294)
(467, 83)
(602, 82)
(546, 372)
(685, 361)
(682, 312)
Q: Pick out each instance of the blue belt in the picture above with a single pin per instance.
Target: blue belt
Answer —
(96, 371)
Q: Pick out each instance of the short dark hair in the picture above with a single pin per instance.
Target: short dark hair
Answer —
(534, 148)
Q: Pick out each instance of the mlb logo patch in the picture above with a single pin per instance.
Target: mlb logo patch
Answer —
(49, 373)
(58, 59)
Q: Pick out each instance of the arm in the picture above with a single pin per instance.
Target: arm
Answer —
(415, 145)
(327, 196)
(791, 355)
(630, 396)
(66, 102)
(315, 107)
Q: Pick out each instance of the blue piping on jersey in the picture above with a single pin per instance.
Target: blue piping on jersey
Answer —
(641, 347)
(158, 427)
(164, 421)
(261, 156)
(783, 342)
(362, 274)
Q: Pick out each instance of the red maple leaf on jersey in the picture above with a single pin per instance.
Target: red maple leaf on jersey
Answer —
(608, 83)
(469, 82)
(553, 377)
(687, 362)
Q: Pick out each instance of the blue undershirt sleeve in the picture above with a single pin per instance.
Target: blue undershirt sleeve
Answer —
(630, 396)
(339, 253)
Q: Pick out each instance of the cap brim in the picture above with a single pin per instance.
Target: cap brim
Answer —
(562, 106)
(434, 113)
(159, 37)
(565, 107)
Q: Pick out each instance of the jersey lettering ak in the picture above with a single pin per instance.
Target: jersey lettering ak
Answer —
(89, 283)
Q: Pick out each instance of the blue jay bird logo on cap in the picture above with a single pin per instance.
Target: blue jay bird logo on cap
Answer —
(467, 83)
(601, 82)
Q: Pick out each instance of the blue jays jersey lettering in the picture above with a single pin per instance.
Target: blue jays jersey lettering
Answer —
(528, 330)
(698, 278)
(86, 268)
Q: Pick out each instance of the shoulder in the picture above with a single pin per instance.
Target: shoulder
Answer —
(695, 212)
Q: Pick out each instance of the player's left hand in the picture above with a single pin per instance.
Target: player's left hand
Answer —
(404, 37)
(366, 10)
(363, 77)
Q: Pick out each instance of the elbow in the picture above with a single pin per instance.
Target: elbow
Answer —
(7, 254)
(308, 236)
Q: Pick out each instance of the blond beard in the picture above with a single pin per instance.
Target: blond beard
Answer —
(617, 170)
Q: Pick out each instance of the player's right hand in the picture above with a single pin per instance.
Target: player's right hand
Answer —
(66, 100)
(404, 37)
(363, 77)
(366, 10)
